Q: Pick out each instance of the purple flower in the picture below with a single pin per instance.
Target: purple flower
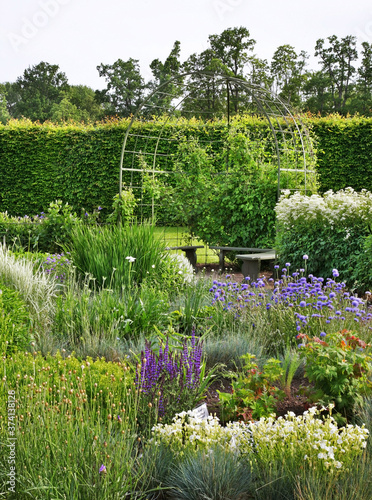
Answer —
(323, 334)
(305, 257)
(103, 469)
(99, 208)
(335, 273)
(302, 303)
(287, 264)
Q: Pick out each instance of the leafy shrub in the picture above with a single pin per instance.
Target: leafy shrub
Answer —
(44, 232)
(253, 393)
(331, 229)
(225, 198)
(363, 270)
(123, 207)
(339, 366)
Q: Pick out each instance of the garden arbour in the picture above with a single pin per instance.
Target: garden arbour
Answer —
(221, 182)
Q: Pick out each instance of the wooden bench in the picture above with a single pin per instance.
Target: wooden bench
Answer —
(190, 251)
(252, 262)
(224, 250)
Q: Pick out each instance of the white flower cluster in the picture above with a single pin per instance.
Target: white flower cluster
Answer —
(188, 432)
(182, 267)
(343, 208)
(309, 438)
(320, 442)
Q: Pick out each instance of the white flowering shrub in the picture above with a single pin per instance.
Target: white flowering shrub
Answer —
(331, 229)
(188, 433)
(305, 438)
(180, 267)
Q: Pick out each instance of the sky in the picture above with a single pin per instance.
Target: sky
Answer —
(79, 35)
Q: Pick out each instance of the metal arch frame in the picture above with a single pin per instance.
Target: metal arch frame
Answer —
(255, 89)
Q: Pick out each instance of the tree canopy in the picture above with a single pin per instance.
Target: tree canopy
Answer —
(342, 83)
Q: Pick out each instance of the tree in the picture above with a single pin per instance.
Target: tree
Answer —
(4, 113)
(163, 72)
(38, 89)
(336, 60)
(232, 48)
(259, 73)
(125, 87)
(287, 72)
(317, 94)
(363, 99)
(204, 97)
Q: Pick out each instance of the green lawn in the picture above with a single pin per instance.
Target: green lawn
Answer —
(176, 236)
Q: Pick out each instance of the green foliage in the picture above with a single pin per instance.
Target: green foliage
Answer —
(88, 318)
(331, 230)
(228, 196)
(117, 255)
(362, 274)
(344, 152)
(290, 364)
(125, 86)
(253, 393)
(123, 207)
(15, 324)
(69, 412)
(339, 366)
(44, 232)
(39, 89)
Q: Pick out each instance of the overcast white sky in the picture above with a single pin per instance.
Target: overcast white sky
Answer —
(78, 35)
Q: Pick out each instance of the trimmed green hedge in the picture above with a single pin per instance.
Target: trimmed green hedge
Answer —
(344, 152)
(79, 164)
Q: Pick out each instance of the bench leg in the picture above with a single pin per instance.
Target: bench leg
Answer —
(191, 255)
(222, 260)
(251, 268)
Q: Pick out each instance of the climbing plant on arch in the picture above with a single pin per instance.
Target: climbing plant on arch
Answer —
(214, 152)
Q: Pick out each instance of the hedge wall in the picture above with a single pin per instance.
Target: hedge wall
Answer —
(79, 164)
(344, 152)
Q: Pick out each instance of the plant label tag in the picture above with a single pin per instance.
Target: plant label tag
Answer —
(201, 412)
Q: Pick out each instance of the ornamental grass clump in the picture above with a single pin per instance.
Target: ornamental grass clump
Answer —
(172, 380)
(75, 427)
